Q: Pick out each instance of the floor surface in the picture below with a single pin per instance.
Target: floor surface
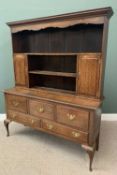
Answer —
(29, 152)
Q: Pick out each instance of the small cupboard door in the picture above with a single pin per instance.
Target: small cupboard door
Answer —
(21, 70)
(89, 74)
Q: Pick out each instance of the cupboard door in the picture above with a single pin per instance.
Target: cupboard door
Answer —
(20, 68)
(89, 74)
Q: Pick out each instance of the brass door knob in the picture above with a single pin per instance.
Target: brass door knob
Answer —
(50, 126)
(71, 116)
(75, 134)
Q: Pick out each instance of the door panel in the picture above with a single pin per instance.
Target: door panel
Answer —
(89, 74)
(20, 68)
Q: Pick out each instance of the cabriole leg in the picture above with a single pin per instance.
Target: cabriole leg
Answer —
(91, 155)
(6, 124)
(97, 143)
(90, 151)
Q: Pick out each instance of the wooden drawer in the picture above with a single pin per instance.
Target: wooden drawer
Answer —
(74, 117)
(68, 132)
(16, 103)
(41, 109)
(24, 119)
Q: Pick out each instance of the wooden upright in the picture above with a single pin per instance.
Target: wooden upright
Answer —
(59, 73)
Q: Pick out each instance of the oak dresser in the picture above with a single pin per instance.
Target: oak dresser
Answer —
(59, 64)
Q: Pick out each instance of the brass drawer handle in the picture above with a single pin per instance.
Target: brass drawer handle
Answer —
(41, 109)
(15, 103)
(75, 134)
(32, 121)
(71, 116)
(50, 126)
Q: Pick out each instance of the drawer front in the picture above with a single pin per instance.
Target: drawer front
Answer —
(74, 117)
(41, 109)
(24, 119)
(68, 132)
(16, 103)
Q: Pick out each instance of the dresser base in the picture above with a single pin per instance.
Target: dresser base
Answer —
(89, 149)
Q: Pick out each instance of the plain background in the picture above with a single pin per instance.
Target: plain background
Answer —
(26, 9)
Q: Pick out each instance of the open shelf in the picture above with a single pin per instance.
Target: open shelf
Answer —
(52, 62)
(77, 38)
(53, 73)
(52, 82)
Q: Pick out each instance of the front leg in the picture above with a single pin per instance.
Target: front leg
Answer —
(97, 143)
(90, 151)
(6, 124)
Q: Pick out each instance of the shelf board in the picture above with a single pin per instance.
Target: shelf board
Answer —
(53, 54)
(53, 73)
(54, 89)
(56, 54)
(48, 54)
